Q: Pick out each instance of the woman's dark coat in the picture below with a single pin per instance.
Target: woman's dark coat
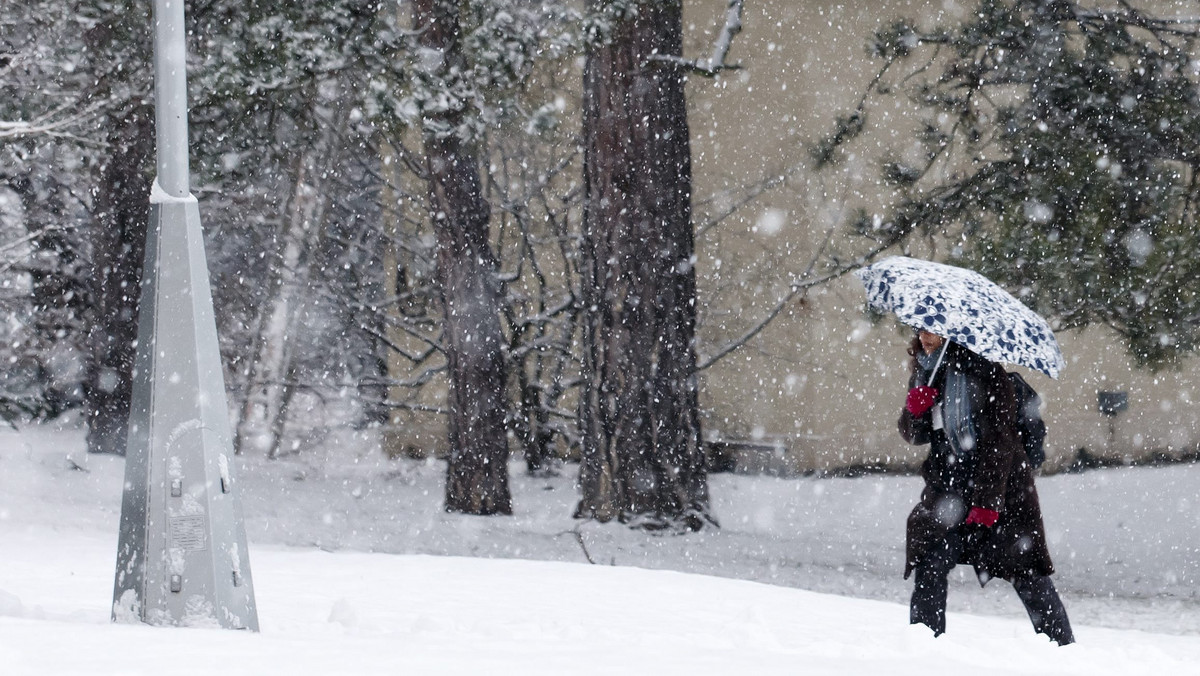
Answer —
(996, 475)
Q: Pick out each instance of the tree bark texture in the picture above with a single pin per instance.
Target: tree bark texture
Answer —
(118, 249)
(477, 474)
(60, 292)
(642, 458)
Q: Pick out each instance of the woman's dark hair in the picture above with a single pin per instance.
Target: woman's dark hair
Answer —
(914, 349)
(953, 351)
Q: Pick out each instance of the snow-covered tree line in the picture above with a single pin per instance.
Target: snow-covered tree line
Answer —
(479, 212)
(77, 78)
(396, 197)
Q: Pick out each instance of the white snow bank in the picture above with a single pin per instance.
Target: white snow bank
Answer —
(1125, 542)
(354, 613)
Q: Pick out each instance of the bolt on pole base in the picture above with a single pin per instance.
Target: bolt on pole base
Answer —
(182, 558)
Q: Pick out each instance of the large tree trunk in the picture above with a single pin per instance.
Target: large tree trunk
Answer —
(118, 238)
(118, 249)
(60, 290)
(477, 475)
(642, 454)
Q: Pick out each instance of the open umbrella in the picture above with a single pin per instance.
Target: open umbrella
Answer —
(965, 307)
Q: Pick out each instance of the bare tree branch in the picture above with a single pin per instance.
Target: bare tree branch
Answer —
(579, 539)
(56, 123)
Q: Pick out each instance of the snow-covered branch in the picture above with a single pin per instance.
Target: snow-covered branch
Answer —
(20, 129)
(22, 241)
(56, 123)
(733, 26)
(715, 63)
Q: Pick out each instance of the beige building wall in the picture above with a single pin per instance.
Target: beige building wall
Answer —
(821, 387)
(821, 383)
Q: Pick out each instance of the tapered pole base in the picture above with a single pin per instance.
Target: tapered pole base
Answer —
(182, 558)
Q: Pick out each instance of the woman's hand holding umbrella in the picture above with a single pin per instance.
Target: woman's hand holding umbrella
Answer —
(920, 399)
(982, 516)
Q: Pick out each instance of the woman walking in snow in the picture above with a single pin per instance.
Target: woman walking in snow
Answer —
(979, 505)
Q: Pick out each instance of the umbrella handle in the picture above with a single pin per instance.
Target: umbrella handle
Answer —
(938, 364)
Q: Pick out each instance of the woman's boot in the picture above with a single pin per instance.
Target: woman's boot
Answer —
(1045, 608)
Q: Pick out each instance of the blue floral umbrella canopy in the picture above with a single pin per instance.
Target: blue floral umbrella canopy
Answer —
(965, 307)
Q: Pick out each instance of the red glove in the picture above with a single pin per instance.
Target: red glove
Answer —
(920, 399)
(982, 516)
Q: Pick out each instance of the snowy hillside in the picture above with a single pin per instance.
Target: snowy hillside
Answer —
(351, 613)
(344, 587)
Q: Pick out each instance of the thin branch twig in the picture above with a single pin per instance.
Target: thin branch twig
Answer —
(579, 538)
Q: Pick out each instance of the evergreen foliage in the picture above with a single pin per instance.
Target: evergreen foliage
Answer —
(1060, 144)
(306, 127)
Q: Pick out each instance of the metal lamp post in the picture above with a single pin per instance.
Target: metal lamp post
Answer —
(182, 558)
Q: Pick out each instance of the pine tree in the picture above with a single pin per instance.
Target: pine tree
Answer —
(1061, 147)
(642, 457)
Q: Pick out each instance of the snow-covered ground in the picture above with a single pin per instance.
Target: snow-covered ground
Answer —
(339, 543)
